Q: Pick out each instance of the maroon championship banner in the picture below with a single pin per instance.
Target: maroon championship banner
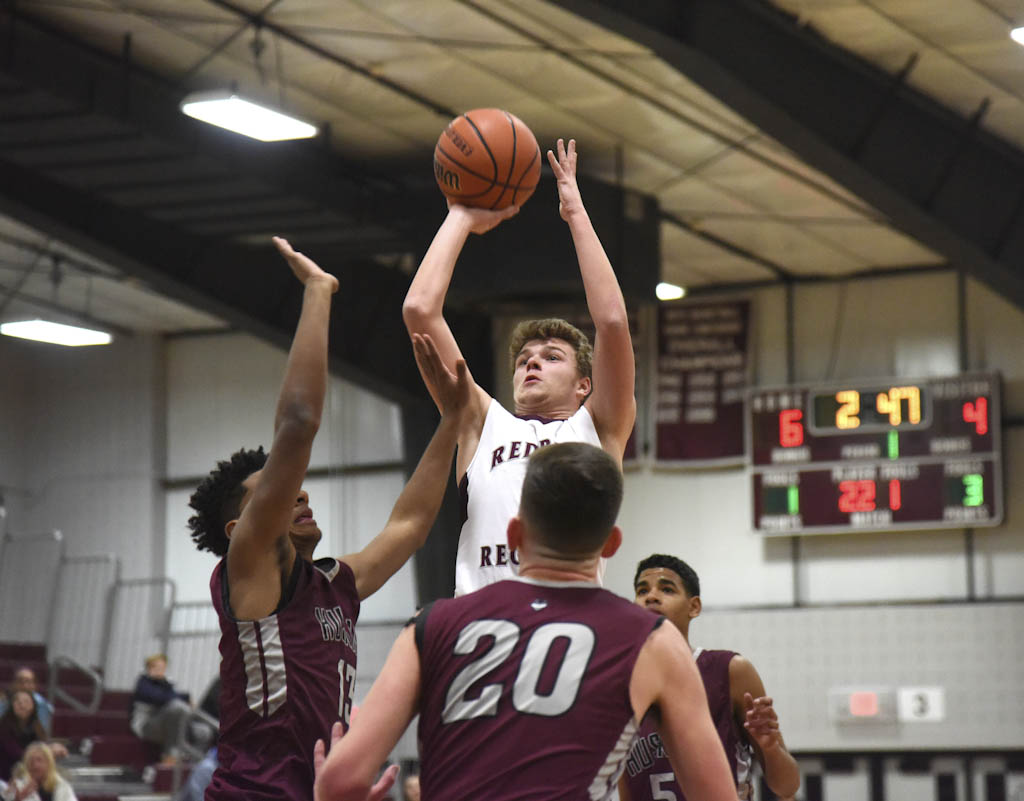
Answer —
(701, 377)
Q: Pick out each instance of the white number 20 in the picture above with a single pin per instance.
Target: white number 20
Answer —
(525, 697)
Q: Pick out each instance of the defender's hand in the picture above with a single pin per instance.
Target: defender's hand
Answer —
(761, 722)
(453, 389)
(305, 269)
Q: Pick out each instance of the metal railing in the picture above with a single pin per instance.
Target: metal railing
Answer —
(28, 569)
(82, 607)
(139, 627)
(193, 656)
(57, 693)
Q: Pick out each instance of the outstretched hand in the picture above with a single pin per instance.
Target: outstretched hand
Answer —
(305, 269)
(564, 167)
(453, 389)
(761, 723)
(482, 220)
(379, 790)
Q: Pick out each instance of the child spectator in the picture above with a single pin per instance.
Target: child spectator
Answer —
(158, 710)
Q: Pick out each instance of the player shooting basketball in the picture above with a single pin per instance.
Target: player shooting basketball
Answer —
(563, 389)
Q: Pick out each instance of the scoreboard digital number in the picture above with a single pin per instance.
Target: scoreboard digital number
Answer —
(876, 456)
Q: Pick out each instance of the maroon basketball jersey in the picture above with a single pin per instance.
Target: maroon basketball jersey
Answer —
(525, 691)
(648, 770)
(285, 679)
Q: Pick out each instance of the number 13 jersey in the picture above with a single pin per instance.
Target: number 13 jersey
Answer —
(525, 691)
(285, 679)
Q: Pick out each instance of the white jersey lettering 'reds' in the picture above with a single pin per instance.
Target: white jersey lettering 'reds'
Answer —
(493, 484)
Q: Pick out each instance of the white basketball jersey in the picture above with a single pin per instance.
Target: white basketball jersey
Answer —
(493, 483)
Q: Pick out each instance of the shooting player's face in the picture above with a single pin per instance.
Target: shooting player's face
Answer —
(546, 373)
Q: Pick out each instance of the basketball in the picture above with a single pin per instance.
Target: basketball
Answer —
(487, 158)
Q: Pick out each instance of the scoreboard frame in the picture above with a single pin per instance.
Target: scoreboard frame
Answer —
(876, 455)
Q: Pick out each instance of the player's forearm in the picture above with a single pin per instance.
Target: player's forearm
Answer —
(781, 772)
(424, 301)
(418, 505)
(604, 297)
(305, 380)
(339, 783)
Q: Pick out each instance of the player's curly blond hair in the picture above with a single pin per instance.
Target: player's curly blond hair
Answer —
(553, 328)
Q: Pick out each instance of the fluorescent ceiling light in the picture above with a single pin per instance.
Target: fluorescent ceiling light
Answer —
(230, 111)
(55, 333)
(669, 291)
(1017, 34)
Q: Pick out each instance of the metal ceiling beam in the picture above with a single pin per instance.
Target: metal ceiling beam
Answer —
(143, 106)
(938, 177)
(372, 216)
(246, 286)
(250, 288)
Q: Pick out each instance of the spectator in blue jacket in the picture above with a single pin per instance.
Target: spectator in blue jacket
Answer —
(159, 711)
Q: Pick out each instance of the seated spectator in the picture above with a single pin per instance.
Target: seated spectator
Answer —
(158, 710)
(36, 778)
(25, 679)
(19, 726)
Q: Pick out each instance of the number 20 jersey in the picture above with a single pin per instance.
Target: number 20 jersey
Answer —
(525, 691)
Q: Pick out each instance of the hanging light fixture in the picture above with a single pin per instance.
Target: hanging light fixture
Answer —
(665, 291)
(226, 109)
(55, 333)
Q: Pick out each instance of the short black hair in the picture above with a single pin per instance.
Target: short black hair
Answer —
(571, 496)
(686, 573)
(217, 499)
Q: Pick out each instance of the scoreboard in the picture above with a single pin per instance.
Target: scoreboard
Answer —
(876, 455)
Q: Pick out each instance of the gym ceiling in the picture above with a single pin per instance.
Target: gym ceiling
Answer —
(767, 142)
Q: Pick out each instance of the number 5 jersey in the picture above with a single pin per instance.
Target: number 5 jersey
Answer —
(525, 691)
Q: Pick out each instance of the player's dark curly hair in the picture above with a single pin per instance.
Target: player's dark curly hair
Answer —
(686, 573)
(217, 498)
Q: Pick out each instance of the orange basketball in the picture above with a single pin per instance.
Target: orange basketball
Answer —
(487, 158)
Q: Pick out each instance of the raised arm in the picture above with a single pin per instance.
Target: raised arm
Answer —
(423, 309)
(416, 508)
(666, 677)
(353, 762)
(259, 547)
(612, 403)
(754, 711)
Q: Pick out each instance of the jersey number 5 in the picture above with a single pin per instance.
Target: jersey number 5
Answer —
(525, 698)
